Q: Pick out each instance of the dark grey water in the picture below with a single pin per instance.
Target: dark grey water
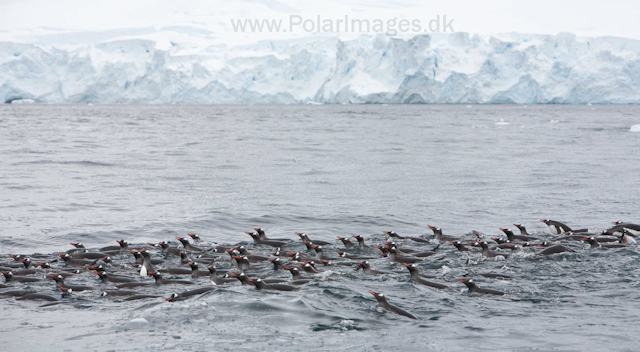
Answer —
(96, 174)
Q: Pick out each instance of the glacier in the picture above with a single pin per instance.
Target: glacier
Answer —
(456, 68)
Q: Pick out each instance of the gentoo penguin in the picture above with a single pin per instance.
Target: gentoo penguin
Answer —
(460, 246)
(166, 249)
(263, 236)
(69, 260)
(137, 297)
(195, 272)
(395, 236)
(346, 242)
(305, 238)
(360, 240)
(8, 277)
(366, 268)
(258, 241)
(413, 271)
(217, 280)
(383, 303)
(633, 229)
(186, 294)
(277, 263)
(147, 267)
(251, 257)
(513, 237)
(486, 252)
(105, 277)
(117, 293)
(37, 297)
(396, 257)
(557, 228)
(261, 285)
(474, 288)
(295, 273)
(346, 255)
(162, 281)
(194, 237)
(437, 233)
(523, 230)
(188, 246)
(553, 249)
(60, 283)
(308, 268)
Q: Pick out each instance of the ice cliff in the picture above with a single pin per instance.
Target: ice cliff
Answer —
(456, 68)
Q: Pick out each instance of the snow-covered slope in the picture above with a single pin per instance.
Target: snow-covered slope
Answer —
(192, 67)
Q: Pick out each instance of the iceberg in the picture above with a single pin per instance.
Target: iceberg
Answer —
(457, 68)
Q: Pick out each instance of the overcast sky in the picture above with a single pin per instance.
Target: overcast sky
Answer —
(585, 18)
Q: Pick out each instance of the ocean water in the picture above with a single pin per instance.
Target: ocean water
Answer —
(96, 174)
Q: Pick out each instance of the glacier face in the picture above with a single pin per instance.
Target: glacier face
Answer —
(437, 68)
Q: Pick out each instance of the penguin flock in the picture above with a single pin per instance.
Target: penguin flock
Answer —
(191, 267)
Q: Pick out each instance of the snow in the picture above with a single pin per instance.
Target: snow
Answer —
(183, 64)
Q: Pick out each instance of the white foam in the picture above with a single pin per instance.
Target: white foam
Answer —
(635, 128)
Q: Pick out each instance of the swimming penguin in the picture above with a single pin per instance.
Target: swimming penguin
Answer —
(366, 268)
(263, 236)
(513, 237)
(360, 240)
(346, 242)
(60, 283)
(633, 229)
(147, 267)
(162, 281)
(167, 249)
(218, 280)
(258, 241)
(188, 246)
(186, 294)
(346, 255)
(261, 285)
(8, 277)
(305, 238)
(474, 288)
(105, 277)
(194, 237)
(395, 257)
(413, 271)
(437, 233)
(383, 303)
(486, 252)
(460, 246)
(523, 230)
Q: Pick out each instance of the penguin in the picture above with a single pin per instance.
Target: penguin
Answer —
(8, 277)
(383, 303)
(263, 236)
(147, 267)
(346, 255)
(523, 230)
(217, 280)
(60, 283)
(305, 238)
(437, 233)
(272, 243)
(188, 246)
(346, 242)
(186, 294)
(261, 285)
(413, 271)
(366, 268)
(360, 240)
(474, 288)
